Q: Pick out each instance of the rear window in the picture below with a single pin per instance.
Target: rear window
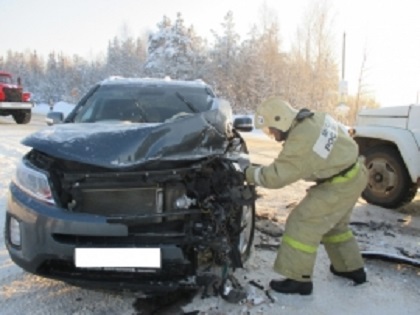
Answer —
(143, 103)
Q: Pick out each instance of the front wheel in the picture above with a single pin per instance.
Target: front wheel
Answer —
(246, 238)
(22, 116)
(389, 184)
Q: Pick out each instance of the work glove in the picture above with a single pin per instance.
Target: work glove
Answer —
(243, 164)
(250, 173)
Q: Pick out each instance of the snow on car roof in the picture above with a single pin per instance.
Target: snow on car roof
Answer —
(165, 81)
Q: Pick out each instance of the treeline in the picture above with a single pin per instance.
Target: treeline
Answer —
(243, 71)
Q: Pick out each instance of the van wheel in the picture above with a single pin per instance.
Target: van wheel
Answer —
(389, 184)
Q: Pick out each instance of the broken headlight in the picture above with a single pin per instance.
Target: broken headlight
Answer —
(34, 182)
(184, 202)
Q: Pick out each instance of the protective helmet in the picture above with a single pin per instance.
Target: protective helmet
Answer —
(276, 113)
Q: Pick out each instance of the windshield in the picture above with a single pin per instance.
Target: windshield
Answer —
(5, 79)
(143, 103)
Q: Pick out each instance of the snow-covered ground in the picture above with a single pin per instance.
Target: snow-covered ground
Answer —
(391, 289)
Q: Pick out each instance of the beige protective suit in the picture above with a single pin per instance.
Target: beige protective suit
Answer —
(317, 149)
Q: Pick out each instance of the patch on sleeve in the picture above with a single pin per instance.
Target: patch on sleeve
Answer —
(325, 142)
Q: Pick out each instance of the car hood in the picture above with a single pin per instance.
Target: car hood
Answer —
(126, 145)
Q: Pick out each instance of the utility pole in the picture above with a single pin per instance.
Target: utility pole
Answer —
(343, 82)
(343, 57)
(342, 108)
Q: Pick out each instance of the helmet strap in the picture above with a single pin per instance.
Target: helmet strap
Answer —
(282, 135)
(303, 114)
(285, 134)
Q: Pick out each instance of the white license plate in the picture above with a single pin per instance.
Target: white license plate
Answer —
(118, 257)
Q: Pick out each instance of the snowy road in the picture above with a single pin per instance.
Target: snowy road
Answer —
(392, 288)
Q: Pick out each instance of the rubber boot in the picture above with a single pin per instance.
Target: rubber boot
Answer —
(290, 286)
(358, 276)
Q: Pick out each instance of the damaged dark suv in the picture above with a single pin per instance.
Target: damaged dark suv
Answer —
(140, 186)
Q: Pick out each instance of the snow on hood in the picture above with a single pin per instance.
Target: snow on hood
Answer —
(123, 145)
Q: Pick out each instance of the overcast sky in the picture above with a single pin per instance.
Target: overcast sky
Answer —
(388, 29)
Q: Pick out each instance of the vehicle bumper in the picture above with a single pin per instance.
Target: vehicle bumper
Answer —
(15, 105)
(49, 236)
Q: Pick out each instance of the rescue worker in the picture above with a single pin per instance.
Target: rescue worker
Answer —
(316, 148)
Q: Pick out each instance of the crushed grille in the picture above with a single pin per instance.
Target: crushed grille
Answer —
(124, 201)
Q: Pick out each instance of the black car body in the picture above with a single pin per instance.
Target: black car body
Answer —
(139, 187)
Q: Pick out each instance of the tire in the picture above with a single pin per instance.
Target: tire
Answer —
(22, 117)
(389, 184)
(246, 238)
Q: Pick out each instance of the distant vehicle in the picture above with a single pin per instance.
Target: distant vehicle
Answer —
(13, 100)
(389, 138)
(139, 187)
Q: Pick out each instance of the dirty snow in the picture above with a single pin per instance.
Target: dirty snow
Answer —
(391, 289)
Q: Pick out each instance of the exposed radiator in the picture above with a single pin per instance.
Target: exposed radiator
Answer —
(125, 201)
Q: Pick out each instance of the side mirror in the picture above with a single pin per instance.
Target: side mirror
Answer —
(54, 118)
(243, 124)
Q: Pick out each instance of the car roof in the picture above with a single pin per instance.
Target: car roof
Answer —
(153, 81)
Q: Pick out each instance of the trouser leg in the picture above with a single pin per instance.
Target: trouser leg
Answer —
(305, 226)
(325, 210)
(342, 248)
(339, 242)
(296, 256)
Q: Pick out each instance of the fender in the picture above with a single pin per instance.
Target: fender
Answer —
(403, 139)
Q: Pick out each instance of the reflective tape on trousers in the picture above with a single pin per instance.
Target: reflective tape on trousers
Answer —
(298, 245)
(339, 238)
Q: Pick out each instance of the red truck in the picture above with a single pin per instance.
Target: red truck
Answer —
(13, 100)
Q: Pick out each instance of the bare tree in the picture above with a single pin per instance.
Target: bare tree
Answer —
(314, 70)
(223, 58)
(360, 86)
(363, 97)
(267, 16)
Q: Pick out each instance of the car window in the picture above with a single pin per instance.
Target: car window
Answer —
(143, 103)
(5, 79)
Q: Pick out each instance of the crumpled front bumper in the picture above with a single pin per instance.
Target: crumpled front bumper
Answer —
(50, 235)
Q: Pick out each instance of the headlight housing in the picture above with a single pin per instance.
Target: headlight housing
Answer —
(34, 182)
